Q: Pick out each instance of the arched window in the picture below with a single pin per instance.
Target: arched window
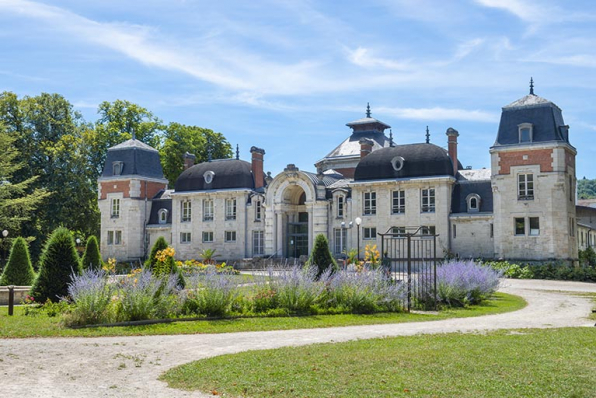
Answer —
(162, 216)
(117, 168)
(525, 132)
(473, 201)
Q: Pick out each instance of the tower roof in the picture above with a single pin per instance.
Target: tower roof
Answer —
(132, 158)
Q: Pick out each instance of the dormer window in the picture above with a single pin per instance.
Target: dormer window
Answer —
(473, 201)
(208, 176)
(162, 216)
(525, 132)
(117, 168)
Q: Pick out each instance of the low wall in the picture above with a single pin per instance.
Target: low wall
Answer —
(20, 292)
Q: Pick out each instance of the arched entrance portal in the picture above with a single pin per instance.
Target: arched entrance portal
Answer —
(296, 222)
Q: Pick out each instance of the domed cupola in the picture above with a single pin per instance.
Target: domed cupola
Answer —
(216, 174)
(405, 161)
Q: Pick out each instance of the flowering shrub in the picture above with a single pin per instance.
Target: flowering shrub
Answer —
(192, 266)
(372, 255)
(297, 289)
(110, 266)
(460, 283)
(92, 295)
(210, 293)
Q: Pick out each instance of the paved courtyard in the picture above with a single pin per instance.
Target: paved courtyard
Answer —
(130, 366)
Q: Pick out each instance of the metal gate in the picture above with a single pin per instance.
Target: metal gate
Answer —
(410, 254)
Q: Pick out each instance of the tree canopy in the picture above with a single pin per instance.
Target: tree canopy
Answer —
(586, 189)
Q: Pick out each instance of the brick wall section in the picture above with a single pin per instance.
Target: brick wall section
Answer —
(541, 157)
(569, 160)
(347, 173)
(115, 186)
(124, 186)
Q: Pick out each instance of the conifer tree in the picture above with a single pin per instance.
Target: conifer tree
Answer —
(160, 244)
(92, 257)
(59, 261)
(18, 271)
(321, 256)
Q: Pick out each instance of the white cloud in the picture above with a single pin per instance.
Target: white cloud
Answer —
(438, 113)
(363, 57)
(524, 9)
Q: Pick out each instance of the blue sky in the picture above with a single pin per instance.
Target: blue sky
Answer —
(287, 76)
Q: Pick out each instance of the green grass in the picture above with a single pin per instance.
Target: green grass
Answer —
(528, 363)
(43, 326)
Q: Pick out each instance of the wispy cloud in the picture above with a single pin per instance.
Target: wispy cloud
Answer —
(365, 58)
(439, 114)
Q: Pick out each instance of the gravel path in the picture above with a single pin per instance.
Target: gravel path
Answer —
(129, 366)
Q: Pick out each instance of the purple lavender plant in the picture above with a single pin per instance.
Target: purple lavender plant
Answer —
(91, 295)
(210, 293)
(297, 288)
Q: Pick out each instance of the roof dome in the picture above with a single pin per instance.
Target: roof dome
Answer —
(217, 174)
(405, 161)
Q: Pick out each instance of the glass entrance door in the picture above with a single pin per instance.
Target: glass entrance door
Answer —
(297, 243)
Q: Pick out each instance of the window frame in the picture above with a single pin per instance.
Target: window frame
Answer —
(186, 211)
(428, 230)
(115, 208)
(339, 240)
(517, 223)
(428, 195)
(117, 168)
(207, 236)
(231, 209)
(400, 207)
(162, 216)
(369, 205)
(369, 233)
(208, 210)
(523, 127)
(117, 237)
(534, 231)
(258, 210)
(341, 202)
(230, 236)
(258, 243)
(185, 238)
(525, 186)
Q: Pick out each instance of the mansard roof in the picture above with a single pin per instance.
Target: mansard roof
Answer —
(136, 159)
(473, 182)
(226, 174)
(417, 160)
(546, 119)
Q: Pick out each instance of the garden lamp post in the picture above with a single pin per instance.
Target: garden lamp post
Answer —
(341, 237)
(4, 235)
(358, 222)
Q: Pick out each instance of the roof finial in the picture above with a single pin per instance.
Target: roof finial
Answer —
(390, 137)
(209, 151)
(532, 86)
(237, 152)
(134, 135)
(367, 109)
(427, 135)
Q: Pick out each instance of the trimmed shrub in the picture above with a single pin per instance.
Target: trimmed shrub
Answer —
(59, 262)
(159, 245)
(18, 270)
(321, 256)
(92, 257)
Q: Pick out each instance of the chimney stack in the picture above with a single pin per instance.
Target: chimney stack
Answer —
(452, 135)
(366, 146)
(257, 166)
(189, 160)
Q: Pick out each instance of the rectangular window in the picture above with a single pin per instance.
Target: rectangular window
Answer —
(207, 236)
(398, 205)
(525, 186)
(340, 207)
(118, 237)
(341, 237)
(571, 189)
(492, 230)
(370, 233)
(454, 231)
(571, 227)
(428, 200)
(398, 232)
(370, 203)
(428, 230)
(110, 237)
(207, 209)
(258, 210)
(185, 237)
(258, 243)
(230, 236)
(115, 208)
(230, 209)
(534, 226)
(520, 226)
(186, 211)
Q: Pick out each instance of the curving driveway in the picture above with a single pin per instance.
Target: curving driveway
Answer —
(129, 366)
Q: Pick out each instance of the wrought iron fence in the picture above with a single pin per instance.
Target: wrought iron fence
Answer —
(410, 254)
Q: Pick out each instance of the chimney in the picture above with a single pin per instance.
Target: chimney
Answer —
(452, 135)
(257, 166)
(189, 160)
(366, 146)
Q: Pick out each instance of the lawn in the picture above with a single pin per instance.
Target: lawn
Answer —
(20, 325)
(525, 363)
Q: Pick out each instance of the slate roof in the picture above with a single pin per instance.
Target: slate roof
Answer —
(351, 146)
(473, 175)
(420, 160)
(228, 174)
(461, 191)
(156, 206)
(138, 159)
(545, 116)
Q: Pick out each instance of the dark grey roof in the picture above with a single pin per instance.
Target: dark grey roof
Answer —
(546, 118)
(156, 206)
(586, 215)
(137, 159)
(462, 190)
(328, 180)
(228, 174)
(375, 124)
(419, 160)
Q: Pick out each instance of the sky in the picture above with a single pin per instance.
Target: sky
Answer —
(287, 76)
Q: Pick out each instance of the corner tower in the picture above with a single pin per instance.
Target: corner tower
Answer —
(131, 177)
(533, 182)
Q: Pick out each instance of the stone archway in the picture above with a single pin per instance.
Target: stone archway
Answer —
(296, 222)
